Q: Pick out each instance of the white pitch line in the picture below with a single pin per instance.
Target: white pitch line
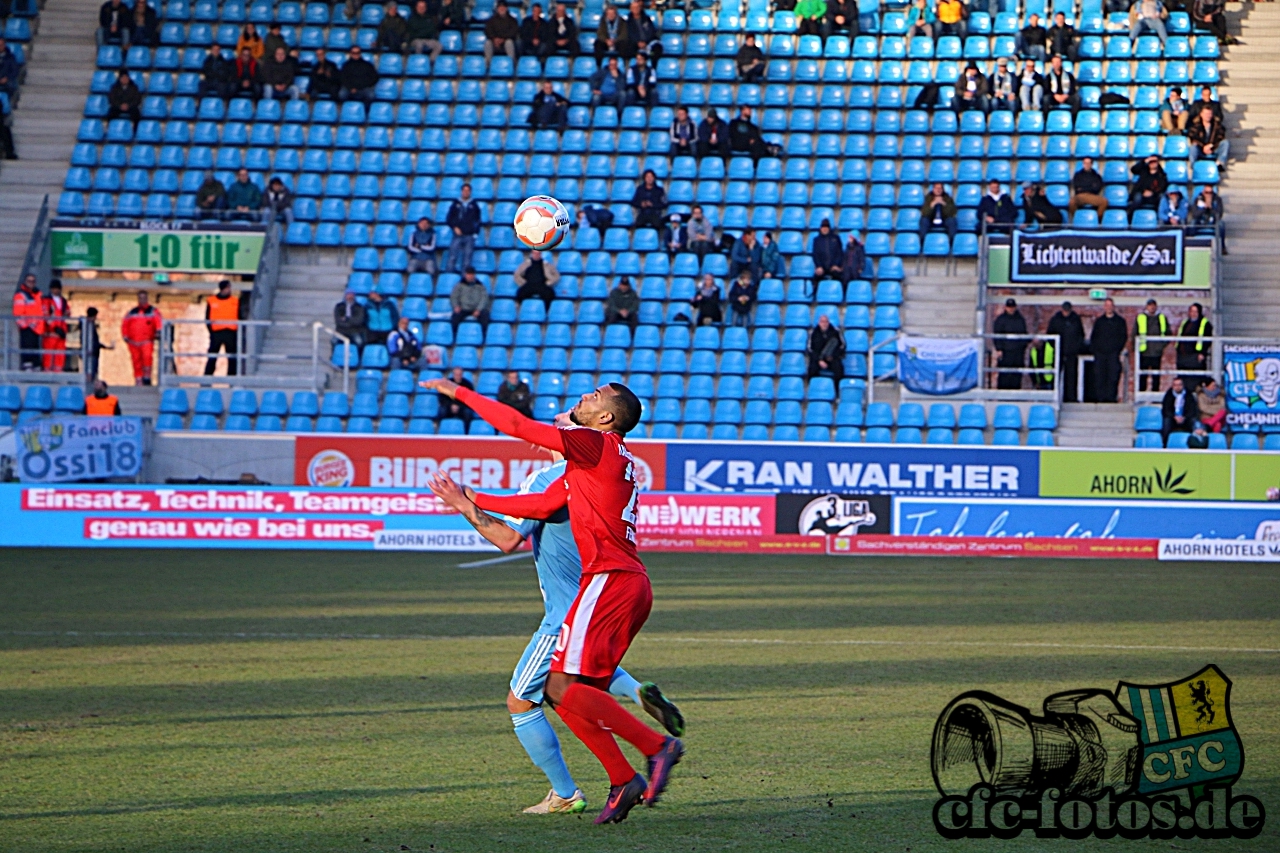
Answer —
(265, 635)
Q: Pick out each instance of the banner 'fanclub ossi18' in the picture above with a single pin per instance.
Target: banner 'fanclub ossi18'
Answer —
(1101, 256)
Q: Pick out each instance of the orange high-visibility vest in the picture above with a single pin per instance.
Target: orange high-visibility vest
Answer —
(27, 304)
(101, 407)
(56, 309)
(140, 326)
(223, 313)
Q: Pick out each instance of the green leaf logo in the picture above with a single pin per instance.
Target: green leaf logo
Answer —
(1168, 483)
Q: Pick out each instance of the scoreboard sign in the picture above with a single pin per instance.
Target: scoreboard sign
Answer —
(186, 247)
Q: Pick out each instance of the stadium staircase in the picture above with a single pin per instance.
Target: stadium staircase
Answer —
(1095, 425)
(311, 283)
(1250, 292)
(938, 303)
(60, 63)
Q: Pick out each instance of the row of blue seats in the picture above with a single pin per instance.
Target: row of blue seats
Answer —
(1217, 441)
(67, 399)
(1149, 419)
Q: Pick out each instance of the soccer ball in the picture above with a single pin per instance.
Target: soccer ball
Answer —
(541, 222)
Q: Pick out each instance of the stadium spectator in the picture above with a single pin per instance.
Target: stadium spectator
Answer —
(938, 211)
(1033, 39)
(770, 257)
(1003, 87)
(211, 197)
(713, 137)
(1207, 138)
(453, 15)
(745, 256)
(683, 133)
(623, 305)
(1062, 38)
(609, 85)
(451, 408)
(1031, 87)
(535, 34)
(1107, 341)
(1179, 410)
(1173, 208)
(1210, 15)
(404, 347)
(10, 69)
(324, 78)
(1040, 359)
(423, 31)
(996, 211)
(140, 329)
(611, 36)
(501, 32)
(1212, 405)
(28, 314)
(250, 40)
(422, 247)
(101, 403)
(828, 254)
(1066, 324)
(463, 220)
(273, 40)
(125, 99)
(675, 237)
(393, 30)
(217, 76)
(221, 319)
(1206, 213)
(826, 349)
(245, 81)
(1086, 189)
(564, 32)
(971, 90)
(115, 24)
(950, 17)
(1193, 353)
(550, 108)
(358, 77)
(811, 18)
(277, 203)
(706, 302)
(1148, 16)
(1150, 321)
(469, 300)
(1060, 87)
(842, 17)
(750, 60)
(276, 74)
(920, 19)
(381, 318)
(702, 234)
(56, 311)
(642, 31)
(742, 298)
(1206, 100)
(145, 30)
(244, 197)
(537, 276)
(514, 392)
(1011, 352)
(350, 319)
(744, 136)
(1037, 207)
(642, 83)
(855, 259)
(1174, 112)
(93, 345)
(649, 201)
(1149, 185)
(1199, 438)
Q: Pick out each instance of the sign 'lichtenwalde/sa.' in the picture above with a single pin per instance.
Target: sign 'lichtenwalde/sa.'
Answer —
(1120, 257)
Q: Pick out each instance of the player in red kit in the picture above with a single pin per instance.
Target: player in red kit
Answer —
(614, 598)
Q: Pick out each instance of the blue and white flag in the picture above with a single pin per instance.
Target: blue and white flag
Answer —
(938, 365)
(70, 449)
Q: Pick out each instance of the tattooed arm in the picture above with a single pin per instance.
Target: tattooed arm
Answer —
(492, 529)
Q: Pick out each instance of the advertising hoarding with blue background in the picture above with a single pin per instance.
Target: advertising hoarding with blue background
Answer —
(59, 450)
(1252, 381)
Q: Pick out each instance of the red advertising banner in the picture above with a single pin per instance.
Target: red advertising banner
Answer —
(980, 546)
(230, 529)
(408, 462)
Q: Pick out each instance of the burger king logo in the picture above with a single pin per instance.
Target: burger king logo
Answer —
(331, 469)
(643, 474)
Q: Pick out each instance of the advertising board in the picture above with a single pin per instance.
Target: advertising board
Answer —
(66, 449)
(1135, 475)
(1251, 374)
(167, 247)
(1128, 257)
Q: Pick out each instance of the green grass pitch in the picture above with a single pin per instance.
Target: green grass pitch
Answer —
(269, 701)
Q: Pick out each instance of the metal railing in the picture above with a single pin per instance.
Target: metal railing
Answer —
(26, 364)
(265, 281)
(182, 363)
(37, 260)
(1212, 366)
(989, 372)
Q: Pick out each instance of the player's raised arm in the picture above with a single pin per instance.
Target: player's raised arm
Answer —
(486, 525)
(541, 505)
(501, 417)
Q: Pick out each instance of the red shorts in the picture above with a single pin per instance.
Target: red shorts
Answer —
(609, 611)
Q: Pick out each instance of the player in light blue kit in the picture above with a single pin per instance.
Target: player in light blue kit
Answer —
(559, 566)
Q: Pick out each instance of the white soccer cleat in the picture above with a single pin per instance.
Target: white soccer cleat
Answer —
(553, 804)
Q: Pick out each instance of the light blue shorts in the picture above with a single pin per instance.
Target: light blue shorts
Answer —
(531, 673)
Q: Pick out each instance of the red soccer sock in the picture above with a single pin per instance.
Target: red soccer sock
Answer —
(602, 746)
(598, 707)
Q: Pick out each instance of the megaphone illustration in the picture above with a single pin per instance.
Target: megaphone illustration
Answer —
(1085, 743)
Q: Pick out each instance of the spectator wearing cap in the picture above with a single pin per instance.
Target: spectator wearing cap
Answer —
(469, 300)
(1004, 87)
(1037, 207)
(713, 137)
(273, 40)
(745, 256)
(501, 32)
(211, 197)
(1011, 352)
(1086, 189)
(623, 305)
(971, 91)
(675, 237)
(828, 254)
(996, 210)
(1149, 185)
(1066, 324)
(938, 211)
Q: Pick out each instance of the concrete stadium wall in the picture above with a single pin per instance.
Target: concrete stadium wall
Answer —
(187, 455)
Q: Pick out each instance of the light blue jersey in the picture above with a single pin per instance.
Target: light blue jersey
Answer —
(555, 554)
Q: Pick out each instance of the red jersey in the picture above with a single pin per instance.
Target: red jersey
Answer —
(599, 486)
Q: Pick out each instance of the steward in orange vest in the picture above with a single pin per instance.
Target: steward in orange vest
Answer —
(56, 311)
(101, 404)
(222, 315)
(140, 328)
(28, 313)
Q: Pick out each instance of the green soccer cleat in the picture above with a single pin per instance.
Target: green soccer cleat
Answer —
(661, 709)
(555, 804)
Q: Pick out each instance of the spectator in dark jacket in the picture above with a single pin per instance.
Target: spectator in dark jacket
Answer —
(995, 210)
(276, 74)
(501, 32)
(675, 237)
(938, 211)
(422, 247)
(706, 301)
(1210, 15)
(1037, 207)
(115, 24)
(1205, 212)
(349, 318)
(971, 91)
(211, 197)
(216, 76)
(1206, 100)
(1107, 340)
(463, 220)
(358, 77)
(1010, 352)
(770, 257)
(537, 278)
(828, 254)
(1179, 409)
(453, 15)
(611, 36)
(146, 25)
(745, 256)
(451, 408)
(683, 133)
(609, 85)
(1086, 189)
(649, 201)
(742, 298)
(550, 108)
(535, 34)
(623, 305)
(842, 17)
(423, 31)
(564, 32)
(246, 75)
(642, 83)
(826, 349)
(1062, 38)
(514, 392)
(713, 137)
(750, 61)
(1207, 138)
(277, 203)
(1033, 39)
(393, 30)
(744, 136)
(470, 300)
(1149, 185)
(1060, 88)
(642, 31)
(325, 82)
(1066, 324)
(125, 99)
(244, 198)
(855, 258)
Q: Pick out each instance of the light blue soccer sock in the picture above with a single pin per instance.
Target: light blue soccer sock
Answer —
(625, 686)
(540, 741)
